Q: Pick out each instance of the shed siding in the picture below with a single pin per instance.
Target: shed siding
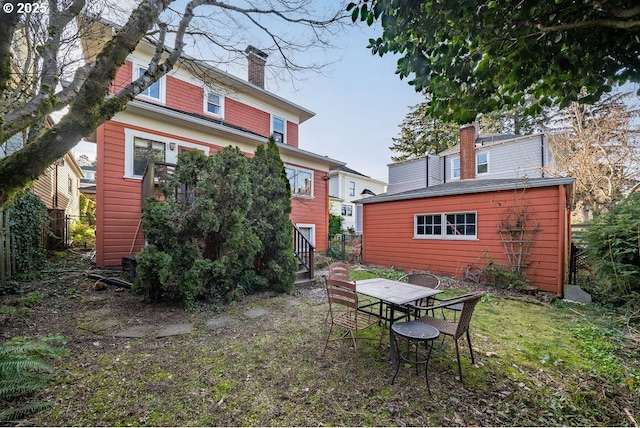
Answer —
(389, 241)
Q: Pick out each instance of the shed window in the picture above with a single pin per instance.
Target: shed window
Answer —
(446, 225)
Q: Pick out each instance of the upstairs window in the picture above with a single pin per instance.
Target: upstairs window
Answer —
(155, 90)
(300, 181)
(482, 163)
(278, 130)
(213, 104)
(352, 188)
(144, 151)
(455, 168)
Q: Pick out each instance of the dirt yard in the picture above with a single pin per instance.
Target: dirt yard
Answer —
(260, 362)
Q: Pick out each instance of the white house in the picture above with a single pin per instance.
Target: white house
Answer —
(494, 157)
(347, 185)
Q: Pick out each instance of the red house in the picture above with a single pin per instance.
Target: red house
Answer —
(451, 223)
(197, 106)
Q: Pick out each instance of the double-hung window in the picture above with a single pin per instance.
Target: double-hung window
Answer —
(352, 188)
(482, 163)
(213, 104)
(300, 180)
(446, 225)
(144, 151)
(155, 90)
(455, 168)
(278, 130)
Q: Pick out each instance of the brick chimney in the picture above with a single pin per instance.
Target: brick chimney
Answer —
(468, 136)
(257, 60)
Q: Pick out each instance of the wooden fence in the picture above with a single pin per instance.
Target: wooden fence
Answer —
(7, 260)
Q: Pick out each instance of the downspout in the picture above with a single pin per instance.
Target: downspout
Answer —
(562, 238)
(444, 169)
(542, 154)
(427, 171)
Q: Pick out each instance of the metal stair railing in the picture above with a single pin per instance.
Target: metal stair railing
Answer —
(304, 250)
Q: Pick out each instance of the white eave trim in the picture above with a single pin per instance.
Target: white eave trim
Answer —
(153, 111)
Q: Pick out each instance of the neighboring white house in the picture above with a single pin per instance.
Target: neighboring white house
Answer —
(347, 185)
(494, 157)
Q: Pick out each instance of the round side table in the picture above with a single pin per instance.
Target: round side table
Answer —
(415, 333)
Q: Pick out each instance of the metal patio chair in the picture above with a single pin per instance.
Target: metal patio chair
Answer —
(344, 314)
(456, 329)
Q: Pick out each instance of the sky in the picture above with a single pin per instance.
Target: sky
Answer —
(358, 100)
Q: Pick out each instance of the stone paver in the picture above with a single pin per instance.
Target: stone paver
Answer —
(175, 330)
(574, 293)
(255, 313)
(140, 331)
(219, 322)
(136, 331)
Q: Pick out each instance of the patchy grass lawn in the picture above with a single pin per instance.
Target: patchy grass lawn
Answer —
(536, 365)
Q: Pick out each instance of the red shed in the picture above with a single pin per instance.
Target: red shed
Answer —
(444, 228)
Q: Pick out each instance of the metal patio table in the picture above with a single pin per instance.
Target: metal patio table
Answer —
(395, 294)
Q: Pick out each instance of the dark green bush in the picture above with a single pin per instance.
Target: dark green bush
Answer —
(612, 246)
(335, 224)
(27, 221)
(222, 230)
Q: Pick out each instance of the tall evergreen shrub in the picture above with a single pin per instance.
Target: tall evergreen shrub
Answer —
(269, 215)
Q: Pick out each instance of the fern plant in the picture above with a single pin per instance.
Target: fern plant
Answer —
(23, 371)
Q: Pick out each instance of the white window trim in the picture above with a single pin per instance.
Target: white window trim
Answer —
(161, 81)
(313, 230)
(297, 168)
(348, 205)
(488, 163)
(453, 177)
(171, 156)
(444, 235)
(284, 127)
(206, 98)
(349, 188)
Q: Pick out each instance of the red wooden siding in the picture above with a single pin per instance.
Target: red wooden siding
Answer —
(119, 231)
(184, 96)
(292, 134)
(314, 210)
(247, 117)
(123, 77)
(389, 234)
